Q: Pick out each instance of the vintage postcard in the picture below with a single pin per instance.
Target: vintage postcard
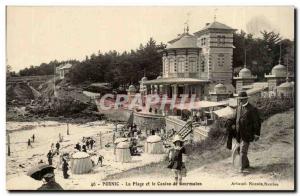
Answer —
(187, 98)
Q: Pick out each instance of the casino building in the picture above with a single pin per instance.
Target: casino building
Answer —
(193, 64)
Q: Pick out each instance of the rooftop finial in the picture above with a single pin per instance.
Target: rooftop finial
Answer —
(287, 69)
(186, 23)
(279, 53)
(245, 61)
(215, 14)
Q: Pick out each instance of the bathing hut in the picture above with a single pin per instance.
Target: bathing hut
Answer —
(117, 141)
(123, 153)
(121, 139)
(81, 163)
(154, 145)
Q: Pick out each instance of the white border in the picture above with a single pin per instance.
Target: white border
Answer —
(4, 3)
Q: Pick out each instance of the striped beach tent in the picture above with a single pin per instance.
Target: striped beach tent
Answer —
(81, 163)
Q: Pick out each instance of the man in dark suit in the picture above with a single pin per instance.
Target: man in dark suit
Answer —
(248, 125)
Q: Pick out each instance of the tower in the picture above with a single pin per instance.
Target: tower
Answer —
(216, 42)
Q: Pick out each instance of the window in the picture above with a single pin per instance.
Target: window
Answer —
(221, 60)
(181, 64)
(202, 63)
(172, 66)
(166, 66)
(193, 64)
(203, 41)
(221, 40)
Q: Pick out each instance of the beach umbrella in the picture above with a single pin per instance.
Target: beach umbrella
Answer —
(38, 171)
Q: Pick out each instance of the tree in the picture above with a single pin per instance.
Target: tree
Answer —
(262, 53)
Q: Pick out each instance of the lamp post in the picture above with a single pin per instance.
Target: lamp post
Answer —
(8, 144)
(100, 140)
(68, 132)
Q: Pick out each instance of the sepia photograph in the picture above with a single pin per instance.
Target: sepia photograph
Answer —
(150, 98)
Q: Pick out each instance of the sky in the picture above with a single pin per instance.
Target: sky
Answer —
(40, 34)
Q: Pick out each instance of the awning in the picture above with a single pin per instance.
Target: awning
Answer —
(199, 104)
(175, 81)
(228, 113)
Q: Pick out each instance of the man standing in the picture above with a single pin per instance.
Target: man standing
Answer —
(78, 147)
(57, 148)
(65, 168)
(248, 125)
(50, 157)
(87, 143)
(29, 143)
(92, 142)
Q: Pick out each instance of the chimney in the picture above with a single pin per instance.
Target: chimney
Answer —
(207, 24)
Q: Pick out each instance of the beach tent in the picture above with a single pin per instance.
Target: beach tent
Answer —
(226, 112)
(154, 145)
(121, 139)
(81, 163)
(123, 153)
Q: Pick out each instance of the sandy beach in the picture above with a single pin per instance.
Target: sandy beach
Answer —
(47, 132)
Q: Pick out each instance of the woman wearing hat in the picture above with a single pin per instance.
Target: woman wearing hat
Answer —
(177, 158)
(44, 172)
(50, 183)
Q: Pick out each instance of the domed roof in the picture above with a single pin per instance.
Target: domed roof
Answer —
(158, 77)
(279, 70)
(123, 145)
(80, 155)
(286, 85)
(144, 78)
(245, 72)
(220, 88)
(132, 89)
(186, 41)
(153, 139)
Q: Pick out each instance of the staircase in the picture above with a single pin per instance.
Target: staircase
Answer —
(185, 130)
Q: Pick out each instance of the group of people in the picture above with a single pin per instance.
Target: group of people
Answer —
(87, 143)
(52, 152)
(30, 140)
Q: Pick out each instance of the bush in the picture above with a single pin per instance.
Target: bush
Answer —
(270, 106)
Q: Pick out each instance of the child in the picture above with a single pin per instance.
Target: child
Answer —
(100, 160)
(177, 158)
